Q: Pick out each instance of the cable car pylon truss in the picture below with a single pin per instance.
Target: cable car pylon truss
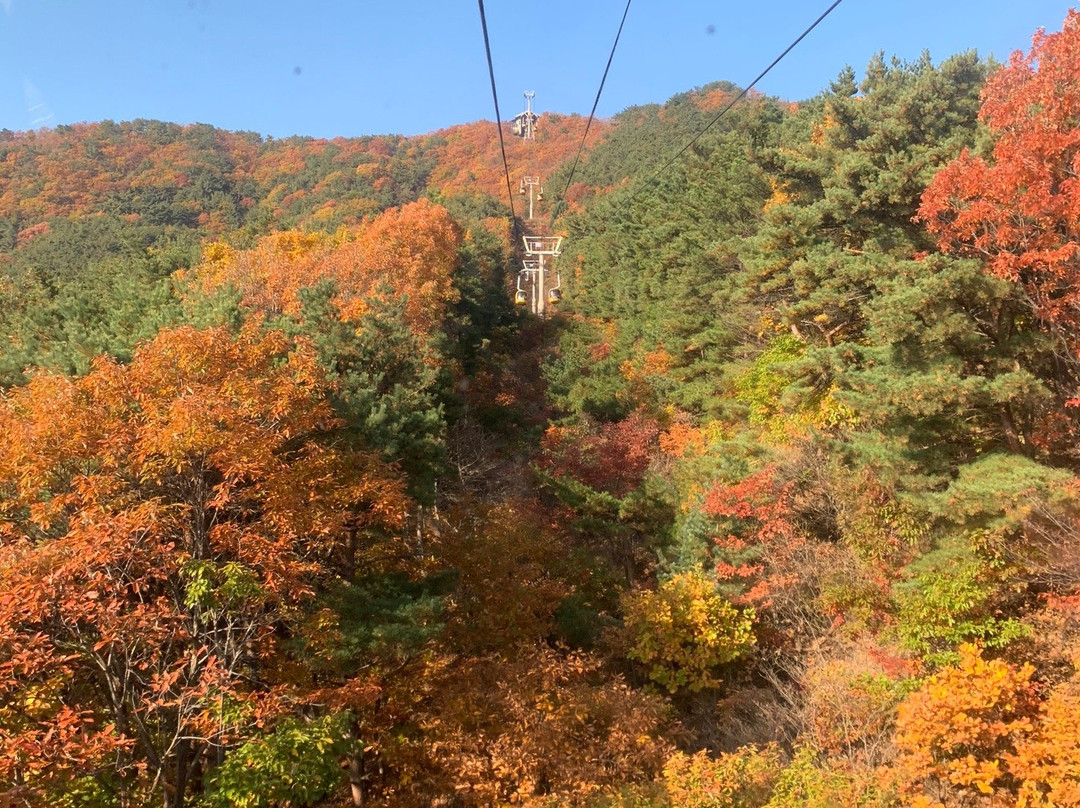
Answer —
(540, 249)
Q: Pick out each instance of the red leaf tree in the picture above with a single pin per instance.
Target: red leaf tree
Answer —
(1019, 209)
(610, 457)
(758, 537)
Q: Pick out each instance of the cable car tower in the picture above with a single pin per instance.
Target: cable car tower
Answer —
(537, 248)
(531, 183)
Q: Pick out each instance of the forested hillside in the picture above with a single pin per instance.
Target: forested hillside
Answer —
(778, 507)
(198, 177)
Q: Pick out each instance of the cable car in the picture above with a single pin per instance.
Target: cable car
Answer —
(555, 292)
(520, 298)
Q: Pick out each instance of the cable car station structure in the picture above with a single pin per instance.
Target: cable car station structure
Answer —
(524, 123)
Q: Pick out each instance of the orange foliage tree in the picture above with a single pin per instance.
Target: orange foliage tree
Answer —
(537, 728)
(1048, 760)
(958, 731)
(159, 525)
(745, 777)
(413, 250)
(269, 276)
(410, 251)
(977, 735)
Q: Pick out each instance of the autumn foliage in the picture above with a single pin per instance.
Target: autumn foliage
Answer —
(610, 457)
(160, 523)
(758, 533)
(731, 780)
(537, 727)
(410, 251)
(469, 158)
(1019, 207)
(978, 734)
(956, 732)
(317, 517)
(684, 631)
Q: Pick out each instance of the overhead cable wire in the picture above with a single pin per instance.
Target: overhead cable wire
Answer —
(498, 117)
(592, 113)
(736, 99)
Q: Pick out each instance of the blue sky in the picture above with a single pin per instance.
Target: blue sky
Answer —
(353, 67)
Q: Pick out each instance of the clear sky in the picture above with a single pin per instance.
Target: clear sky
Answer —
(354, 67)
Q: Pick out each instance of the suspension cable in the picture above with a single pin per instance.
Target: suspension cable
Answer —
(592, 113)
(734, 101)
(498, 117)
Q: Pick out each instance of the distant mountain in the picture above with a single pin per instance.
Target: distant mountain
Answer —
(217, 182)
(203, 178)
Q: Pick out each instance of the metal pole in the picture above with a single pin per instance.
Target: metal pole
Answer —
(540, 298)
(529, 115)
(533, 183)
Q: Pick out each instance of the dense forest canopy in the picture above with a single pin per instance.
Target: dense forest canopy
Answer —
(779, 506)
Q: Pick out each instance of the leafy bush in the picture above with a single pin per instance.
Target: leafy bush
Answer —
(297, 764)
(683, 630)
(952, 601)
(807, 782)
(742, 779)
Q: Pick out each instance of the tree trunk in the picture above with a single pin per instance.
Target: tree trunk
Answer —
(356, 779)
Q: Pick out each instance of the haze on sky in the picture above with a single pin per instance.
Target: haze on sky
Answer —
(353, 67)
